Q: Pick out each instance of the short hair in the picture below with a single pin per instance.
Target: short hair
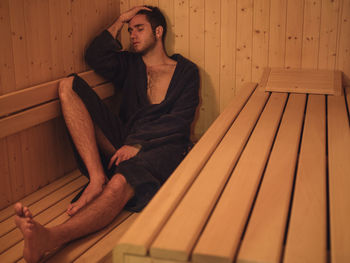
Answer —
(155, 18)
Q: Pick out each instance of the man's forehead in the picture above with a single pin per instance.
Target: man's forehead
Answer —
(138, 20)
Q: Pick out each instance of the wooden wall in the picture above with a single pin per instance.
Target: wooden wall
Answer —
(233, 40)
(42, 40)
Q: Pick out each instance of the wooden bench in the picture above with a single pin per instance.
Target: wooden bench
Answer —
(24, 109)
(268, 182)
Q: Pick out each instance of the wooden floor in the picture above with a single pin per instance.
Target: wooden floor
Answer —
(48, 206)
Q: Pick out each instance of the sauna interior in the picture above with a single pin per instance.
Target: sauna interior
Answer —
(231, 41)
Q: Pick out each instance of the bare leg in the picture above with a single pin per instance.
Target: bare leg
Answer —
(82, 130)
(97, 214)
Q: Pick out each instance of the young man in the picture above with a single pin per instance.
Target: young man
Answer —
(126, 157)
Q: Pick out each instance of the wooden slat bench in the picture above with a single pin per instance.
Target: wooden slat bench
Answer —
(268, 182)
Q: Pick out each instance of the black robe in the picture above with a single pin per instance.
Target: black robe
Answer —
(163, 130)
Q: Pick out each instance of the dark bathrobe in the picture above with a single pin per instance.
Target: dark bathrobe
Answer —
(163, 130)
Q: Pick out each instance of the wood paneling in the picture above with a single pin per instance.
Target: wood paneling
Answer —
(42, 41)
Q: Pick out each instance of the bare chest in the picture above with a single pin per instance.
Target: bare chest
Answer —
(158, 80)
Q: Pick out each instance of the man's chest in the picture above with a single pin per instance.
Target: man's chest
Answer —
(158, 80)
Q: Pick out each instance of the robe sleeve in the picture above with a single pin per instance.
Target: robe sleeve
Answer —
(104, 55)
(174, 125)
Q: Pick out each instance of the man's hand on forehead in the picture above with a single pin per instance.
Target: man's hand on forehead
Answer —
(128, 15)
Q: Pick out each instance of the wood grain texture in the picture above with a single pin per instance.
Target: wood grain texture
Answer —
(263, 240)
(307, 231)
(220, 238)
(339, 180)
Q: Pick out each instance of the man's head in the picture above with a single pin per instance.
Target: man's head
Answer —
(155, 18)
(147, 28)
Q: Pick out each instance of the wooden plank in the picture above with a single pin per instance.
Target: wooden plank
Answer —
(307, 232)
(260, 52)
(339, 180)
(177, 245)
(244, 42)
(294, 33)
(75, 249)
(328, 34)
(61, 39)
(211, 81)
(305, 81)
(23, 99)
(5, 186)
(311, 33)
(138, 259)
(277, 39)
(9, 224)
(7, 76)
(197, 55)
(263, 239)
(19, 44)
(48, 214)
(37, 115)
(227, 53)
(138, 239)
(343, 54)
(347, 94)
(102, 251)
(167, 8)
(181, 29)
(220, 238)
(40, 194)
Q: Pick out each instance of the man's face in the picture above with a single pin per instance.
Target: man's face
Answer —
(141, 36)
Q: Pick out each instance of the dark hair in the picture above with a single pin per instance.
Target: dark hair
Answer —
(155, 18)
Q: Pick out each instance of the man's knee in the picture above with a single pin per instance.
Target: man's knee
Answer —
(65, 88)
(119, 184)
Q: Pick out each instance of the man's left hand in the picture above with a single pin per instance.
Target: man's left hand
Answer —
(122, 154)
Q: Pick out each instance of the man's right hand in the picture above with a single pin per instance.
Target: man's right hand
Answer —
(125, 18)
(128, 15)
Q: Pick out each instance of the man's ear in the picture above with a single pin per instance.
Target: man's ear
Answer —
(159, 32)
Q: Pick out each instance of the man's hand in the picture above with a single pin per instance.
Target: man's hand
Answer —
(125, 18)
(124, 153)
(128, 15)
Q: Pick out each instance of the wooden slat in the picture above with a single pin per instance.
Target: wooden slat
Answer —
(277, 40)
(261, 23)
(311, 33)
(307, 232)
(102, 251)
(339, 179)
(244, 42)
(76, 248)
(138, 239)
(328, 34)
(221, 236)
(264, 236)
(294, 33)
(179, 234)
(34, 116)
(347, 94)
(23, 99)
(305, 81)
(41, 193)
(47, 215)
(9, 224)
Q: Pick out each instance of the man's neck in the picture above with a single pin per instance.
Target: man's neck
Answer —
(156, 56)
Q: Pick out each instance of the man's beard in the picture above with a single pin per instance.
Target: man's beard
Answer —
(149, 46)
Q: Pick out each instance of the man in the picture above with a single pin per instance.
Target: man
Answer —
(126, 157)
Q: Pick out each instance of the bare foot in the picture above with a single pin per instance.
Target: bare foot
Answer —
(90, 193)
(36, 237)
